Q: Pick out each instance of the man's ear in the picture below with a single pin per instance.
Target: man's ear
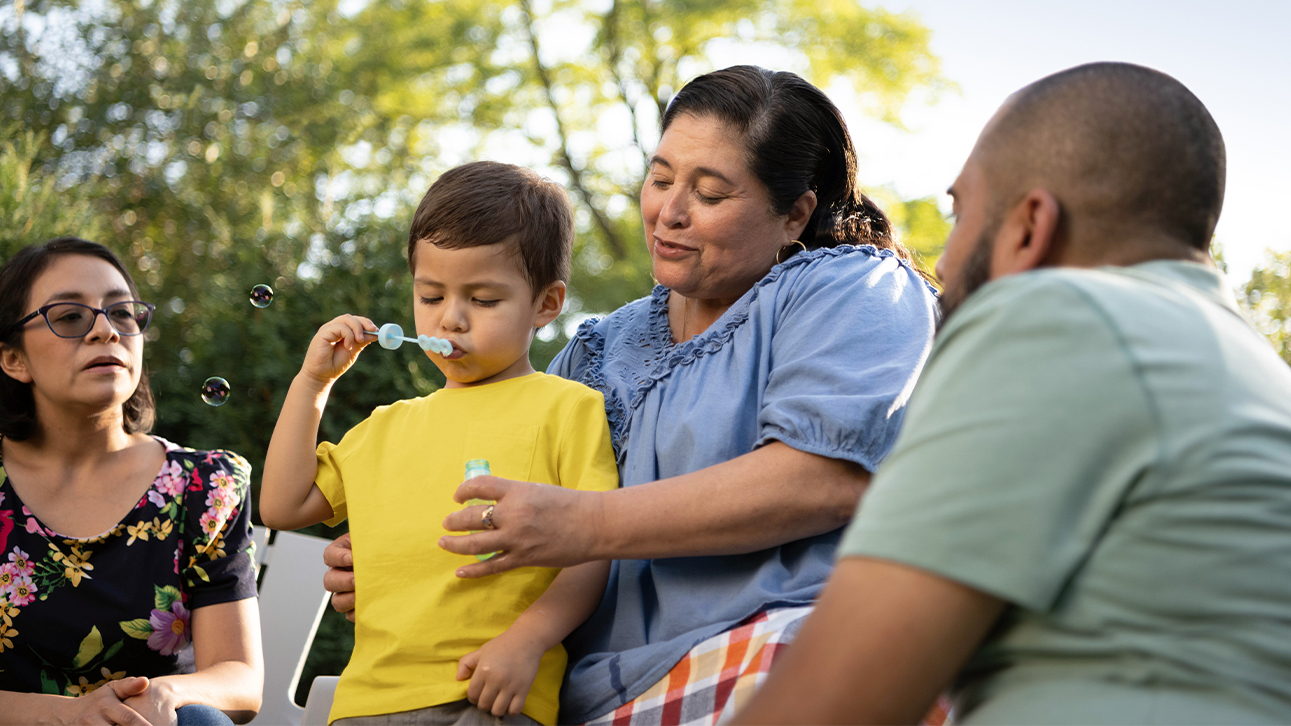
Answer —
(1028, 234)
(800, 214)
(14, 364)
(550, 302)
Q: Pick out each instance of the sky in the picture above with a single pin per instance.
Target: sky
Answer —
(1235, 56)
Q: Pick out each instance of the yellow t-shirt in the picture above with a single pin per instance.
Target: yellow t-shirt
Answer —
(393, 476)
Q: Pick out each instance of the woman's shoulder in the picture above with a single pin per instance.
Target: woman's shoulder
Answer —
(860, 264)
(633, 319)
(182, 459)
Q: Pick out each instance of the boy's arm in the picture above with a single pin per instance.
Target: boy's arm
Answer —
(288, 497)
(503, 670)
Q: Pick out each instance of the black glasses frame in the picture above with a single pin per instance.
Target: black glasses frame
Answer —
(44, 313)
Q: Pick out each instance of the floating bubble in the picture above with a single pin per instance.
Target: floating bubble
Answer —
(261, 296)
(215, 391)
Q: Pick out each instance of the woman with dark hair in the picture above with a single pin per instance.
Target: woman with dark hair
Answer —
(750, 397)
(126, 584)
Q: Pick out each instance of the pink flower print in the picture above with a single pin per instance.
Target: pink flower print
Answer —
(210, 456)
(196, 486)
(23, 592)
(33, 527)
(170, 482)
(22, 562)
(211, 523)
(169, 629)
(178, 547)
(6, 526)
(156, 498)
(221, 501)
(8, 575)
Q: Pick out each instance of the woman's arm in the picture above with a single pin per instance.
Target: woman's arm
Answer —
(768, 497)
(103, 706)
(230, 668)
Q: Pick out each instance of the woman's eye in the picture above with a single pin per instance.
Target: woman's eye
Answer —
(707, 199)
(660, 183)
(69, 317)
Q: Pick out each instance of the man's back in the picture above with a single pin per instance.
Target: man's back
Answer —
(1110, 451)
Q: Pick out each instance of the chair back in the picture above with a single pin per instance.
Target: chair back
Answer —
(292, 600)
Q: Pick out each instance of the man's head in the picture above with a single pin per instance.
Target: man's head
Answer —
(1102, 164)
(489, 251)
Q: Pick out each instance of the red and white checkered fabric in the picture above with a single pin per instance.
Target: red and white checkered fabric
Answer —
(718, 676)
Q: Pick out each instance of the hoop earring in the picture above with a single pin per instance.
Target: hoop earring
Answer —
(780, 251)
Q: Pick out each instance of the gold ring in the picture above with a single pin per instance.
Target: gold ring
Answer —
(486, 519)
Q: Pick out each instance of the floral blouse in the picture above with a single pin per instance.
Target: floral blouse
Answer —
(76, 613)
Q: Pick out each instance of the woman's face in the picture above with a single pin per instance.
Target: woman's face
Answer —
(94, 373)
(709, 224)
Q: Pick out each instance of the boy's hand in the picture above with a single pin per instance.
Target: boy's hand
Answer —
(501, 673)
(335, 347)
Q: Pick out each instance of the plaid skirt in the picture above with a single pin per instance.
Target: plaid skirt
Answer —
(718, 676)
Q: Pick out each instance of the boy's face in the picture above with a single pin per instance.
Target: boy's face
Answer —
(478, 299)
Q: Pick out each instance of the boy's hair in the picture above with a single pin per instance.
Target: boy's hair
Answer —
(487, 202)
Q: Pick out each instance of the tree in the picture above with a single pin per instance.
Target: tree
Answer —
(1267, 300)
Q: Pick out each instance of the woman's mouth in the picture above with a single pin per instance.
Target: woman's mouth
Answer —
(105, 364)
(671, 250)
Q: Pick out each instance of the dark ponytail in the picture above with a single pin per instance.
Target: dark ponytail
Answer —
(796, 141)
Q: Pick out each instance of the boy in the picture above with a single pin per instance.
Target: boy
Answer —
(489, 251)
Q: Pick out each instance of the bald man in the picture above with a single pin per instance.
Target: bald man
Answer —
(1087, 516)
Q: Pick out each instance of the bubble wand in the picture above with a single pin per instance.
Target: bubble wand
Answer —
(391, 336)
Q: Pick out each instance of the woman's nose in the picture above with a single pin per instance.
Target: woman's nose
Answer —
(674, 212)
(101, 329)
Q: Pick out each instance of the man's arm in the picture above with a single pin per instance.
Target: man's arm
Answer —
(884, 640)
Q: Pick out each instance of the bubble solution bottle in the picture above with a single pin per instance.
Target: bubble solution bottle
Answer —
(474, 468)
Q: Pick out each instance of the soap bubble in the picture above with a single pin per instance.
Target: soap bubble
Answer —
(215, 391)
(261, 296)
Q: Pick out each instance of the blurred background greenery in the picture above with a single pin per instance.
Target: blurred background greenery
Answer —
(216, 145)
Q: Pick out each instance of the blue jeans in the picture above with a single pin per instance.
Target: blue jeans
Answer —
(199, 715)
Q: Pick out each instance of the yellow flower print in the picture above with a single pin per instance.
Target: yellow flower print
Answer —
(6, 632)
(140, 532)
(7, 612)
(82, 688)
(74, 567)
(162, 528)
(110, 676)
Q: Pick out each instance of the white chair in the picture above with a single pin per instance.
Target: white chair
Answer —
(292, 600)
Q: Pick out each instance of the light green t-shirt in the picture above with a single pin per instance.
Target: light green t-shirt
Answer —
(1110, 452)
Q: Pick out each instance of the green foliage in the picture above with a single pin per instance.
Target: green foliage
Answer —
(1267, 300)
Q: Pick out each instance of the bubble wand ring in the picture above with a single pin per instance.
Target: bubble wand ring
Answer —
(391, 336)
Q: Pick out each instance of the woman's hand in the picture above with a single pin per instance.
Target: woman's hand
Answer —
(765, 498)
(501, 673)
(156, 704)
(336, 346)
(106, 705)
(536, 525)
(339, 579)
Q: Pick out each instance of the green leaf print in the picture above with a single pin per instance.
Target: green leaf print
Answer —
(138, 628)
(201, 573)
(112, 649)
(90, 647)
(165, 596)
(48, 684)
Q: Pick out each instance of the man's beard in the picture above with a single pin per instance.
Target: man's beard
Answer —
(977, 272)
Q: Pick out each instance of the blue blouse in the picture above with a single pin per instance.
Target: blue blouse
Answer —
(820, 354)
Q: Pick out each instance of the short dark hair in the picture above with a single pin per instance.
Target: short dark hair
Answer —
(19, 273)
(796, 141)
(488, 202)
(1121, 146)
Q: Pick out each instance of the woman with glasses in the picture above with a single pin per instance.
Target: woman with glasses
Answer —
(126, 582)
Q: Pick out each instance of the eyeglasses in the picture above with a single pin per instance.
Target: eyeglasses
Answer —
(74, 320)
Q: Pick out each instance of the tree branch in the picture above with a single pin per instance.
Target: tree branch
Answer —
(617, 249)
